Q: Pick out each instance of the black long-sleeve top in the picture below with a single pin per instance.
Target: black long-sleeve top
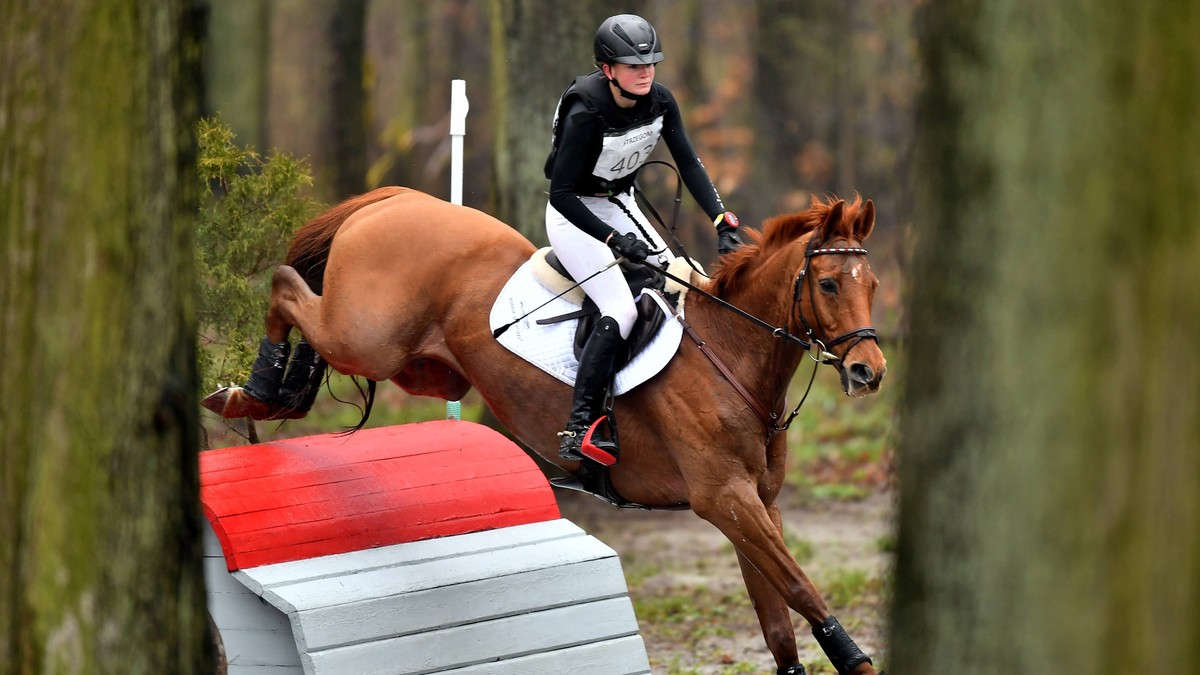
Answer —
(591, 122)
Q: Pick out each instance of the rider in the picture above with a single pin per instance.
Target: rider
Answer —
(605, 127)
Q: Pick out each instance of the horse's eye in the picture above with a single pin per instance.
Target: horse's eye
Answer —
(828, 286)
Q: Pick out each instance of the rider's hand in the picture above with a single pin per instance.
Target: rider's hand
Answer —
(628, 245)
(727, 236)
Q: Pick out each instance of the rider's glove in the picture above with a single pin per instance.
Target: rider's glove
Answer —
(628, 245)
(727, 236)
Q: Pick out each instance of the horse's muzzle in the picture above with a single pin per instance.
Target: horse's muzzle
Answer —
(860, 379)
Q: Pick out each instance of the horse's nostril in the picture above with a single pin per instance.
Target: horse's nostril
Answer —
(861, 372)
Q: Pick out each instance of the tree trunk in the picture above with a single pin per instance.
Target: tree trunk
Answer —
(349, 131)
(316, 101)
(1049, 467)
(538, 47)
(100, 555)
(235, 61)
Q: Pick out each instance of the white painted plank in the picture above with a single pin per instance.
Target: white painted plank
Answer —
(483, 599)
(375, 583)
(232, 606)
(212, 547)
(245, 611)
(218, 580)
(481, 643)
(622, 656)
(266, 576)
(265, 670)
(260, 647)
(256, 636)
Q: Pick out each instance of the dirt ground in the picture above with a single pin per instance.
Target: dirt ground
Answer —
(687, 589)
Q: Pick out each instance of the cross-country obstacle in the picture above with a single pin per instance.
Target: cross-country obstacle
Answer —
(419, 548)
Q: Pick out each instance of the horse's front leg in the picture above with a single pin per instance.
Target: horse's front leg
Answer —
(774, 616)
(735, 508)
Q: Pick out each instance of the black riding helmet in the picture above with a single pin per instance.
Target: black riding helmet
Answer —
(627, 38)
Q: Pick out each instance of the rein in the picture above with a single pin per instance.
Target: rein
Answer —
(770, 420)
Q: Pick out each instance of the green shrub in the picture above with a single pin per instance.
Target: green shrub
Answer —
(250, 209)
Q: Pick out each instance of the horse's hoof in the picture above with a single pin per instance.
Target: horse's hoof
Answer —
(216, 400)
(234, 402)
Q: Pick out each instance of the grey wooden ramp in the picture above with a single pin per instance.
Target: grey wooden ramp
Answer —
(537, 598)
(435, 547)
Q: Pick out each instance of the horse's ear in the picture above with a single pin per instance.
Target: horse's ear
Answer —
(832, 219)
(866, 221)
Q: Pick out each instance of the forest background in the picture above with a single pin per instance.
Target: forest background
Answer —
(782, 99)
(1049, 477)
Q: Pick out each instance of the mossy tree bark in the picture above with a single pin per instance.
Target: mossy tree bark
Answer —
(1050, 477)
(100, 562)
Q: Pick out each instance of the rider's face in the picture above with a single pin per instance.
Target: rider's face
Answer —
(634, 78)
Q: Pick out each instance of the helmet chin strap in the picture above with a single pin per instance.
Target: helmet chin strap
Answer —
(625, 94)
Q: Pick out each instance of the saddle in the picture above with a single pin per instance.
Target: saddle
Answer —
(552, 274)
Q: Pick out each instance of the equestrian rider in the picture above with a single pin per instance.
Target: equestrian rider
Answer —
(605, 127)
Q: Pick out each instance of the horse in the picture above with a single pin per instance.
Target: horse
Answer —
(397, 285)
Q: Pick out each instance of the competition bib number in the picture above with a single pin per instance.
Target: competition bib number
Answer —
(623, 152)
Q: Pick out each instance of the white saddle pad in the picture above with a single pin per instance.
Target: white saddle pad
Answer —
(551, 347)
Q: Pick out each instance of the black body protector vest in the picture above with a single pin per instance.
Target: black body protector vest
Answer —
(628, 138)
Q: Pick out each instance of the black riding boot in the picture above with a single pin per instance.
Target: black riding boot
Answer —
(597, 365)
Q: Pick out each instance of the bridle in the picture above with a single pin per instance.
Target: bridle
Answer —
(824, 348)
(856, 335)
(770, 420)
(825, 355)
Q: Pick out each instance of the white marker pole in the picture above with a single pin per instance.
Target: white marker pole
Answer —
(458, 129)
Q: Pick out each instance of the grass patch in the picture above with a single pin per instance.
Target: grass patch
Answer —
(838, 447)
(802, 549)
(848, 587)
(696, 608)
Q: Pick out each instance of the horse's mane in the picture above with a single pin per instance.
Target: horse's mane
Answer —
(777, 233)
(310, 245)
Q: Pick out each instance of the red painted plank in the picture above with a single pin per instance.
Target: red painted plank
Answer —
(320, 495)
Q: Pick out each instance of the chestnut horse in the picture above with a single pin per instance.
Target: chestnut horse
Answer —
(408, 282)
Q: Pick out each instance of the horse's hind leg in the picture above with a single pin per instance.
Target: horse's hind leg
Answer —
(305, 371)
(276, 390)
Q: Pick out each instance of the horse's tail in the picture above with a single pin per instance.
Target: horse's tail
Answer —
(368, 401)
(310, 245)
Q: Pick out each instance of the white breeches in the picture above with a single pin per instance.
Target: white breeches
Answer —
(582, 254)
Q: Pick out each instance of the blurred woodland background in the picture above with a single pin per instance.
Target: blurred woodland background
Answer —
(1035, 167)
(782, 99)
